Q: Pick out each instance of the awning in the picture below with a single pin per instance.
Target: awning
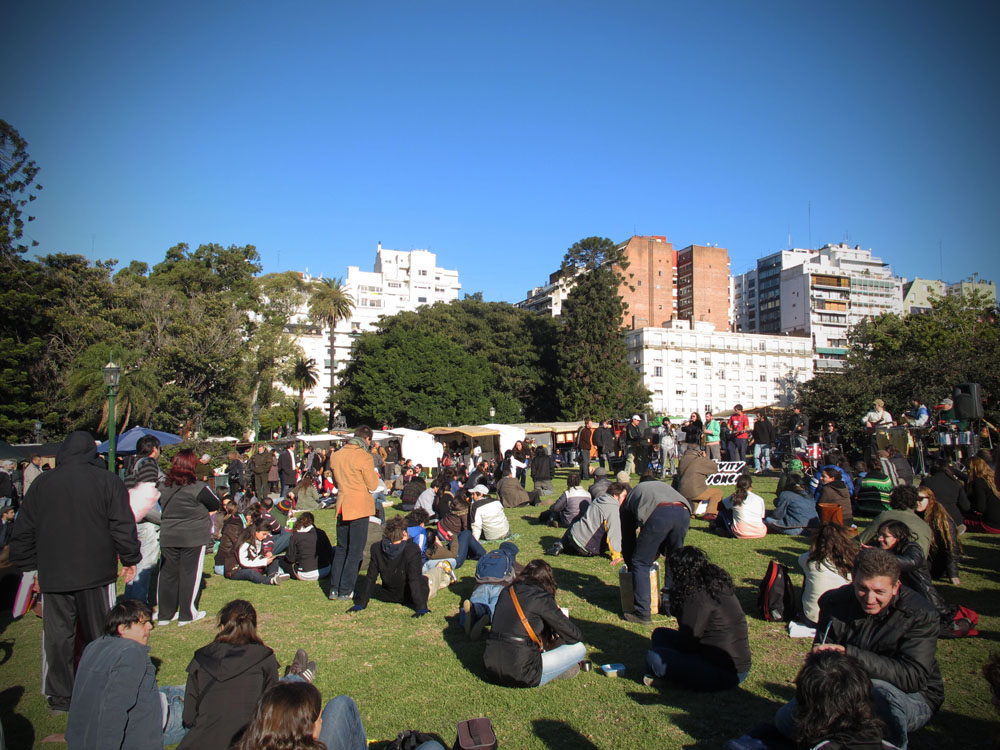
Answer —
(471, 431)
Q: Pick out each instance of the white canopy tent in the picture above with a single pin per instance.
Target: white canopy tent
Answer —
(509, 434)
(419, 447)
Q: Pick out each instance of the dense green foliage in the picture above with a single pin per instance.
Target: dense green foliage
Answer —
(449, 363)
(897, 358)
(593, 374)
(17, 190)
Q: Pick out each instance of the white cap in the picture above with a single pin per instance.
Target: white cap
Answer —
(635, 417)
(480, 489)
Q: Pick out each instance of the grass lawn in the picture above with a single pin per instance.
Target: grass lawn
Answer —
(423, 674)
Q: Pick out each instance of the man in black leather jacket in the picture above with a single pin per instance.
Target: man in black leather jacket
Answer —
(892, 631)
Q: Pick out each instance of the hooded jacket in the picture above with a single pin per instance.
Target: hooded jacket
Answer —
(601, 520)
(223, 685)
(835, 493)
(88, 524)
(399, 565)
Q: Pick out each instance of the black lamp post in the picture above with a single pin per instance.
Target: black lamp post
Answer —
(112, 373)
(38, 432)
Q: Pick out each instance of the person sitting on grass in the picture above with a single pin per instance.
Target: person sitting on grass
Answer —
(495, 571)
(232, 527)
(116, 701)
(453, 540)
(835, 492)
(486, 515)
(252, 562)
(599, 526)
(305, 492)
(874, 489)
(569, 506)
(794, 510)
(984, 498)
(527, 623)
(904, 501)
(710, 650)
(226, 677)
(742, 513)
(946, 549)
(309, 552)
(827, 565)
(397, 560)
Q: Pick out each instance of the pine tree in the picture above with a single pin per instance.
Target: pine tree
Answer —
(593, 376)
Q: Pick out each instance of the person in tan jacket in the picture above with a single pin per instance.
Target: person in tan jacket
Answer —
(355, 478)
(692, 471)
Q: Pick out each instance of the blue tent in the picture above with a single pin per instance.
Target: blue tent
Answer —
(127, 440)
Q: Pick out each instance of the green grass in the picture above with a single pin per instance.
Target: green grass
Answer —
(423, 674)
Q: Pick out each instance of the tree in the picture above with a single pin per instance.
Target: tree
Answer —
(897, 358)
(304, 376)
(137, 388)
(328, 305)
(593, 376)
(17, 190)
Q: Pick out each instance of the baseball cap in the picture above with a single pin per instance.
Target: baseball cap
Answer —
(636, 416)
(481, 489)
(600, 471)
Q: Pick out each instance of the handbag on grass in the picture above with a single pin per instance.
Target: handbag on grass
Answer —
(476, 734)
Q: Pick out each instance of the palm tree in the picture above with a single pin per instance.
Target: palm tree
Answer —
(137, 390)
(328, 305)
(304, 376)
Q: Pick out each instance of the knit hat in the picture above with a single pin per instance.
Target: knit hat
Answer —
(600, 471)
(623, 476)
(285, 505)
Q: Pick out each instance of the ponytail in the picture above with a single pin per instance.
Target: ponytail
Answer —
(743, 485)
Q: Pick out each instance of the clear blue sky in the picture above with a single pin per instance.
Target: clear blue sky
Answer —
(497, 134)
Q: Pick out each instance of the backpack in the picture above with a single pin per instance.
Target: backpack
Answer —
(776, 599)
(496, 566)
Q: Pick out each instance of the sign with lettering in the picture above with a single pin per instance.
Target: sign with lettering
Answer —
(729, 472)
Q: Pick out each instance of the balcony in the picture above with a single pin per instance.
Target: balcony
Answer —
(828, 365)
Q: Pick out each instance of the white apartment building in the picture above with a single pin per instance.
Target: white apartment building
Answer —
(692, 367)
(400, 281)
(548, 299)
(757, 293)
(823, 297)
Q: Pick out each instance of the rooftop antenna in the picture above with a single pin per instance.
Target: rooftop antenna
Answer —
(810, 225)
(789, 236)
(940, 261)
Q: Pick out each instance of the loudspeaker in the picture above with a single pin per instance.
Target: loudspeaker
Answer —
(968, 398)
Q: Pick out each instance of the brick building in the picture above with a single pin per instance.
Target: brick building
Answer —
(703, 285)
(650, 290)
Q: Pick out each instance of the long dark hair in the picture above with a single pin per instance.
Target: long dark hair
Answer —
(182, 469)
(834, 700)
(831, 544)
(743, 485)
(693, 572)
(539, 573)
(304, 520)
(238, 624)
(247, 535)
(284, 718)
(899, 530)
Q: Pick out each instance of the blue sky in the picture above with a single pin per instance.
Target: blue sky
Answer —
(496, 135)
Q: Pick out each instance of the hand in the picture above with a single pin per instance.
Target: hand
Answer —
(129, 572)
(356, 608)
(956, 581)
(421, 613)
(829, 647)
(617, 561)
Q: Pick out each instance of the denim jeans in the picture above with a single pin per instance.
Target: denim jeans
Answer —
(668, 660)
(351, 539)
(256, 575)
(484, 599)
(342, 728)
(172, 699)
(662, 534)
(558, 660)
(773, 527)
(281, 540)
(902, 713)
(762, 457)
(149, 547)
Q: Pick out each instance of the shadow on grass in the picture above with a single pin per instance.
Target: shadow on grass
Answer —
(588, 587)
(558, 735)
(469, 653)
(386, 744)
(17, 730)
(944, 727)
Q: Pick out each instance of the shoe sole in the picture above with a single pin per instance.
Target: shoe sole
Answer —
(467, 621)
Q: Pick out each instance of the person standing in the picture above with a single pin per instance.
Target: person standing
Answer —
(763, 437)
(878, 419)
(261, 465)
(638, 445)
(668, 450)
(354, 474)
(286, 469)
(713, 437)
(146, 470)
(584, 445)
(799, 430)
(31, 472)
(739, 434)
(73, 528)
(604, 439)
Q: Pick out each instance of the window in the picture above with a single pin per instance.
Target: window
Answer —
(421, 299)
(421, 273)
(657, 372)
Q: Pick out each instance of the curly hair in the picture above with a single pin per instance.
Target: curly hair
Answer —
(940, 522)
(979, 469)
(831, 544)
(693, 572)
(284, 719)
(833, 694)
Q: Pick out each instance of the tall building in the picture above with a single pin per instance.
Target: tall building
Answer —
(650, 291)
(692, 367)
(757, 293)
(974, 284)
(832, 291)
(703, 285)
(400, 281)
(917, 294)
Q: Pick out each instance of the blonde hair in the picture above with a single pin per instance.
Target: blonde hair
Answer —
(979, 469)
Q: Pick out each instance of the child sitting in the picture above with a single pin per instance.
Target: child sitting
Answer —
(494, 573)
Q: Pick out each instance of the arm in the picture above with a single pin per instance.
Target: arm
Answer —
(477, 523)
(415, 579)
(694, 617)
(613, 525)
(23, 543)
(121, 524)
(908, 668)
(963, 500)
(559, 505)
(627, 524)
(910, 558)
(248, 558)
(192, 693)
(556, 621)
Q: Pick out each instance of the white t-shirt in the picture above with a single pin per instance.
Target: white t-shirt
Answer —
(819, 578)
(748, 517)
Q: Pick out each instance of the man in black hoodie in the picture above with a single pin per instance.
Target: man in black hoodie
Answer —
(397, 560)
(74, 526)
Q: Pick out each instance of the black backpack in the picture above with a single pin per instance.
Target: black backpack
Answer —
(776, 598)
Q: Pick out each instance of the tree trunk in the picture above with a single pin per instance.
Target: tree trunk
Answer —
(333, 371)
(302, 403)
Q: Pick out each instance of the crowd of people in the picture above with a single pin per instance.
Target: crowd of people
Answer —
(869, 594)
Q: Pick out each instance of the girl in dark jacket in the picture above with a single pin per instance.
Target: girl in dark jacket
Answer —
(710, 650)
(896, 537)
(945, 547)
(309, 553)
(525, 618)
(693, 430)
(185, 531)
(225, 679)
(983, 497)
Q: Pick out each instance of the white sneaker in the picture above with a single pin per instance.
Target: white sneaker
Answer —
(199, 615)
(279, 578)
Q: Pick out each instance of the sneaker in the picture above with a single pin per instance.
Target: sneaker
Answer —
(450, 576)
(569, 674)
(476, 631)
(638, 619)
(556, 549)
(467, 617)
(300, 661)
(346, 597)
(199, 615)
(651, 681)
(309, 673)
(279, 578)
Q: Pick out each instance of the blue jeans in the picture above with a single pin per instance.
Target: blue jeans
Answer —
(668, 659)
(662, 534)
(558, 660)
(342, 728)
(484, 600)
(761, 457)
(173, 729)
(351, 539)
(902, 713)
(281, 540)
(256, 575)
(773, 527)
(149, 547)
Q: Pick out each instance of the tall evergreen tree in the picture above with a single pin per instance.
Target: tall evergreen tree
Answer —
(593, 375)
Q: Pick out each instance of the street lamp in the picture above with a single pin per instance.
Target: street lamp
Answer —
(38, 432)
(112, 373)
(493, 412)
